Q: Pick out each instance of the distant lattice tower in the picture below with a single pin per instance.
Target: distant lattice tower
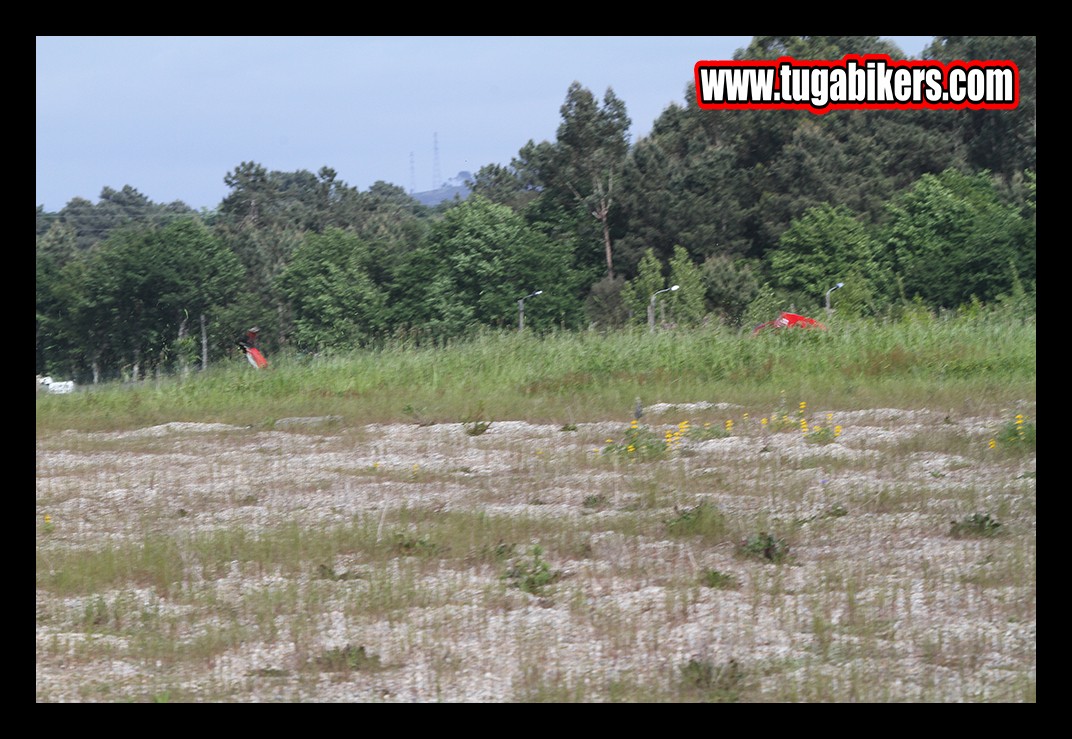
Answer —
(412, 175)
(436, 181)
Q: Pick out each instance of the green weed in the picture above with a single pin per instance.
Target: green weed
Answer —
(639, 444)
(474, 423)
(595, 500)
(532, 574)
(709, 431)
(704, 680)
(719, 580)
(766, 547)
(348, 659)
(975, 525)
(703, 520)
(1016, 434)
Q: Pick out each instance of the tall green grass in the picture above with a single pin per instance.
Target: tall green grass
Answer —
(587, 375)
(760, 567)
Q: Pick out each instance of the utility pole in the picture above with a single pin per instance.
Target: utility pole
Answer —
(521, 309)
(651, 306)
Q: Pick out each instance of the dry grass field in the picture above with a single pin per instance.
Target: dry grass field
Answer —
(706, 553)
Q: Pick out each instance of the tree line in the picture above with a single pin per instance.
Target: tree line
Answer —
(748, 211)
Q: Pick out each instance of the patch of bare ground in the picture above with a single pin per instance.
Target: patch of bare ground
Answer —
(529, 562)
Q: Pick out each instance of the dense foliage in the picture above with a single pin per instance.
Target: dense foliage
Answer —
(748, 211)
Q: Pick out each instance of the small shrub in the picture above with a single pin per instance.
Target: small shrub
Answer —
(417, 415)
(474, 424)
(476, 428)
(639, 443)
(533, 574)
(96, 613)
(719, 580)
(822, 434)
(597, 500)
(786, 417)
(414, 546)
(764, 546)
(977, 525)
(1017, 433)
(498, 552)
(323, 572)
(836, 511)
(348, 659)
(710, 682)
(708, 431)
(701, 520)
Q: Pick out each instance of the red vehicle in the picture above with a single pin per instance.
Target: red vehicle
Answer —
(789, 320)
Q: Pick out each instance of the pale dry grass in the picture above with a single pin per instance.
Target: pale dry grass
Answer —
(325, 562)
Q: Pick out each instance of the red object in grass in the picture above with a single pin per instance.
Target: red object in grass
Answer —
(256, 358)
(253, 354)
(789, 320)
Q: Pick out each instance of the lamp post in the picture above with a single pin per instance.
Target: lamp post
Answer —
(521, 309)
(835, 287)
(651, 306)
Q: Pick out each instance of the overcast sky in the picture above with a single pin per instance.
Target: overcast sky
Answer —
(171, 116)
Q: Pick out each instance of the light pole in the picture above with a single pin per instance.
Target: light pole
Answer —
(835, 287)
(651, 306)
(521, 309)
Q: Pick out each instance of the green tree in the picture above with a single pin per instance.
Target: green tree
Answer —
(334, 302)
(999, 141)
(730, 183)
(821, 248)
(133, 302)
(582, 172)
(281, 200)
(687, 303)
(511, 185)
(476, 263)
(636, 295)
(54, 249)
(605, 306)
(682, 185)
(82, 332)
(730, 284)
(116, 209)
(264, 253)
(45, 220)
(198, 276)
(952, 238)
